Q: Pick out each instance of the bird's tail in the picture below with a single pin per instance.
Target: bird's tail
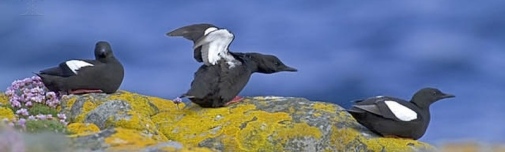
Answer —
(50, 81)
(38, 74)
(185, 95)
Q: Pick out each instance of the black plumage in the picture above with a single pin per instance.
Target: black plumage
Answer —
(104, 74)
(216, 84)
(393, 117)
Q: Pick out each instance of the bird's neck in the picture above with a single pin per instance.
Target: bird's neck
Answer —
(107, 60)
(421, 105)
(247, 60)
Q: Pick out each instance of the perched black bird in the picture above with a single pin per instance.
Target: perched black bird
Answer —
(224, 74)
(393, 117)
(78, 76)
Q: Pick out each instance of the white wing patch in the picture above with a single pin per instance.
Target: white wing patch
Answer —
(208, 30)
(75, 65)
(401, 112)
(215, 46)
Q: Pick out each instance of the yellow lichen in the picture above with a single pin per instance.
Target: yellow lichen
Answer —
(282, 129)
(137, 102)
(69, 100)
(348, 136)
(186, 149)
(127, 139)
(199, 121)
(4, 100)
(82, 128)
(324, 107)
(6, 113)
(137, 122)
(302, 130)
(164, 104)
(242, 128)
(86, 108)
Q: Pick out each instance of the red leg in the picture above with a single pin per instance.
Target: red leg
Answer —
(234, 100)
(85, 91)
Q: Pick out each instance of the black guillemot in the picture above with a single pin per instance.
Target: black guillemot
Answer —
(393, 117)
(224, 73)
(79, 76)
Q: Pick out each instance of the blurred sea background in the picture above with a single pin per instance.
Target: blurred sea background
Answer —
(344, 50)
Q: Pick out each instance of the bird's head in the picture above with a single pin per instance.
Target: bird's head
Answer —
(426, 96)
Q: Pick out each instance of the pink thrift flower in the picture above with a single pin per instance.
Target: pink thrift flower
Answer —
(41, 117)
(9, 92)
(27, 80)
(22, 122)
(64, 122)
(36, 99)
(25, 91)
(36, 78)
(62, 116)
(38, 90)
(50, 95)
(29, 104)
(15, 104)
(22, 111)
(49, 117)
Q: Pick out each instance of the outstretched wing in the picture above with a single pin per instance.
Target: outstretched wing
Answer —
(193, 33)
(214, 45)
(210, 42)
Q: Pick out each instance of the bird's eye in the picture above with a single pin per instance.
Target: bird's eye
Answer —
(277, 63)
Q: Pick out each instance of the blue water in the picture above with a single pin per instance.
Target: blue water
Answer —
(344, 50)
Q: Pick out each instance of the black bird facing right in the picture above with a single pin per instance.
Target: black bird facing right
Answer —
(224, 73)
(393, 117)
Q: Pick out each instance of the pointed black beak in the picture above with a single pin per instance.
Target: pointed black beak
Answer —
(448, 96)
(290, 69)
(102, 52)
(102, 49)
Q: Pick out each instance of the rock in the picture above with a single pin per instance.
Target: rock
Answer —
(127, 121)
